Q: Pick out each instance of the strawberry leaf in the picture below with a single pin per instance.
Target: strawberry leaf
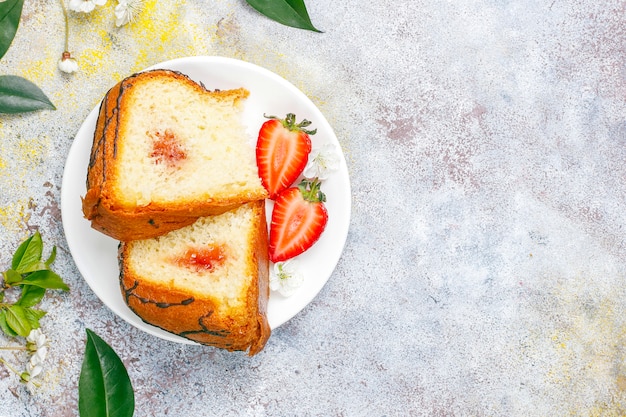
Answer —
(104, 388)
(287, 12)
(10, 14)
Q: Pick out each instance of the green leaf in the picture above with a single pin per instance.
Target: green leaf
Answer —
(12, 277)
(10, 14)
(32, 316)
(17, 320)
(287, 12)
(52, 257)
(46, 279)
(18, 95)
(28, 254)
(3, 324)
(104, 388)
(31, 295)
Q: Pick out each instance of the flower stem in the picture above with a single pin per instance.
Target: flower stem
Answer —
(67, 26)
(9, 366)
(13, 348)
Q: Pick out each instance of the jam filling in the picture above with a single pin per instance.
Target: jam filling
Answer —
(166, 148)
(206, 258)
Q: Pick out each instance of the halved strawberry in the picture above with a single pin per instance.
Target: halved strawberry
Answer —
(298, 220)
(282, 152)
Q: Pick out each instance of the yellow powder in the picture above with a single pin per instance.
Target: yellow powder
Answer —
(587, 347)
(174, 38)
(30, 152)
(26, 156)
(16, 215)
(39, 71)
(91, 60)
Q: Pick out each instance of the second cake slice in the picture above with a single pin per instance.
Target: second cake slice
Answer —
(207, 282)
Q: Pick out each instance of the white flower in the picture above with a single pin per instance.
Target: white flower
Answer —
(28, 376)
(31, 387)
(39, 356)
(36, 342)
(30, 384)
(322, 162)
(67, 63)
(34, 370)
(286, 278)
(85, 6)
(127, 10)
(37, 339)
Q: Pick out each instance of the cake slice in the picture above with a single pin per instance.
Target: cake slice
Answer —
(166, 151)
(207, 282)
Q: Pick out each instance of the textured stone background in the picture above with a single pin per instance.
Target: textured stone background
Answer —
(484, 270)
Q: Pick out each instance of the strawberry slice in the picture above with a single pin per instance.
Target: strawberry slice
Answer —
(282, 152)
(298, 220)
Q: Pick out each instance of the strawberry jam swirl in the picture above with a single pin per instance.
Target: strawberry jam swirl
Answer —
(206, 258)
(166, 148)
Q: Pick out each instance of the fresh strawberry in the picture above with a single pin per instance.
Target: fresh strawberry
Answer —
(298, 220)
(282, 152)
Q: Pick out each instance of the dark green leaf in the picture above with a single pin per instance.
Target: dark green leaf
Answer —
(287, 12)
(3, 324)
(52, 257)
(31, 295)
(17, 320)
(28, 254)
(11, 277)
(10, 13)
(46, 279)
(104, 388)
(18, 95)
(33, 316)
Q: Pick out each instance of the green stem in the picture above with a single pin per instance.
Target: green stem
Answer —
(67, 26)
(9, 366)
(13, 348)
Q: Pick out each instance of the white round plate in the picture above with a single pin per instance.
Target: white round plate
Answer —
(96, 254)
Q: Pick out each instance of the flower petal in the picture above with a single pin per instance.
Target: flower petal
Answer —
(33, 335)
(322, 162)
(36, 370)
(286, 278)
(68, 65)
